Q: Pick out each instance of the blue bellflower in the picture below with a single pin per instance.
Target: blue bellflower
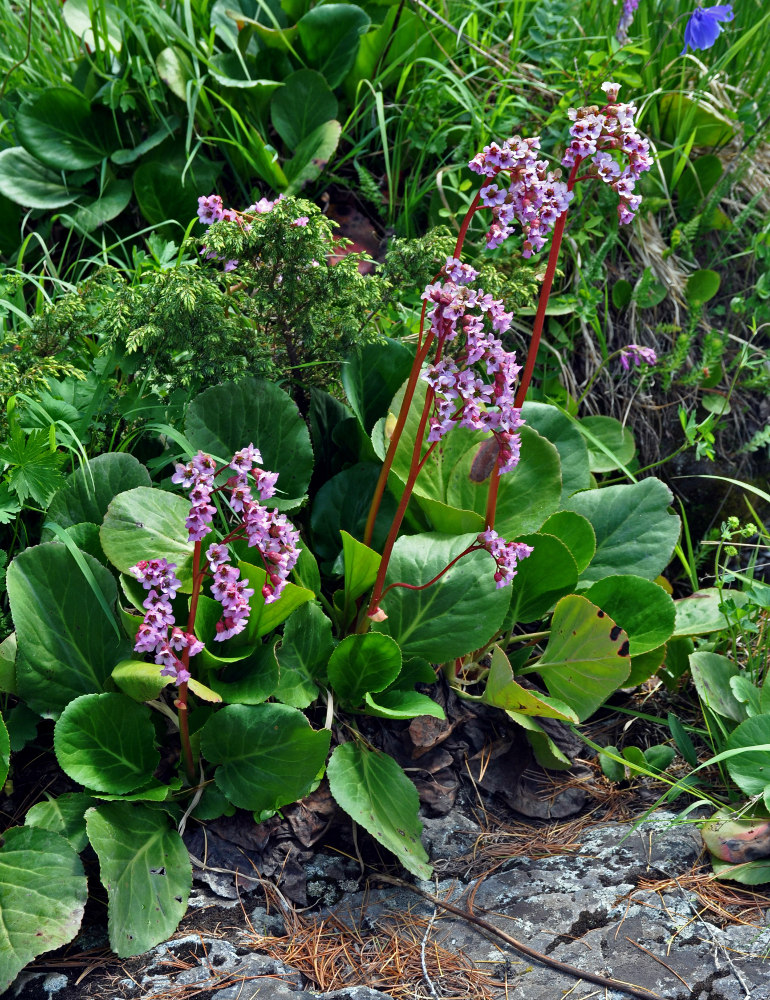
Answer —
(704, 26)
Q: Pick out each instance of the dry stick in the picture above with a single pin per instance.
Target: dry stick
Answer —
(524, 949)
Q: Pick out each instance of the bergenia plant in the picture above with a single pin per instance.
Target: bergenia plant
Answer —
(506, 529)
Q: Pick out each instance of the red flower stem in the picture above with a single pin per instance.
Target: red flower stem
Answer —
(181, 701)
(414, 469)
(534, 344)
(403, 413)
(422, 586)
(422, 354)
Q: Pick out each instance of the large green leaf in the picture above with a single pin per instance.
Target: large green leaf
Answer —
(526, 496)
(145, 868)
(25, 181)
(561, 431)
(343, 502)
(610, 444)
(635, 532)
(700, 614)
(64, 132)
(330, 36)
(94, 213)
(643, 610)
(268, 754)
(65, 815)
(547, 574)
(372, 788)
(371, 377)
(227, 417)
(586, 658)
(312, 155)
(301, 105)
(712, 674)
(92, 487)
(160, 193)
(106, 742)
(576, 533)
(5, 752)
(750, 770)
(146, 523)
(303, 655)
(362, 663)
(66, 643)
(504, 692)
(43, 893)
(454, 616)
(250, 681)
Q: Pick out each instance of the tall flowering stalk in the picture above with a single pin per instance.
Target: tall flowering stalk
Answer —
(266, 530)
(471, 377)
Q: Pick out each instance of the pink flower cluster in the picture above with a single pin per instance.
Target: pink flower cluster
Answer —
(596, 133)
(267, 530)
(231, 592)
(157, 576)
(634, 354)
(531, 194)
(506, 555)
(463, 396)
(211, 209)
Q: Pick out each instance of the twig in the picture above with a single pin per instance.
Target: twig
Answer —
(655, 957)
(524, 949)
(426, 935)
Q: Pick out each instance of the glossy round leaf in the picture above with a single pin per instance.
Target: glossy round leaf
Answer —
(610, 444)
(363, 663)
(547, 574)
(268, 754)
(586, 658)
(106, 742)
(635, 532)
(146, 871)
(227, 417)
(61, 129)
(750, 770)
(92, 487)
(65, 815)
(304, 102)
(146, 523)
(25, 181)
(66, 644)
(43, 893)
(576, 533)
(643, 610)
(330, 36)
(562, 432)
(456, 615)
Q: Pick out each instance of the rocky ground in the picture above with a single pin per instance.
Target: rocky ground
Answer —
(297, 908)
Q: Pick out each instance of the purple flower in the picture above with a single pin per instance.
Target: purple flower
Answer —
(704, 26)
(634, 354)
(301, 221)
(626, 19)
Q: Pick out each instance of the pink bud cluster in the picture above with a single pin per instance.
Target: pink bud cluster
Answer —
(596, 133)
(211, 209)
(634, 354)
(465, 397)
(267, 530)
(157, 576)
(531, 194)
(506, 555)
